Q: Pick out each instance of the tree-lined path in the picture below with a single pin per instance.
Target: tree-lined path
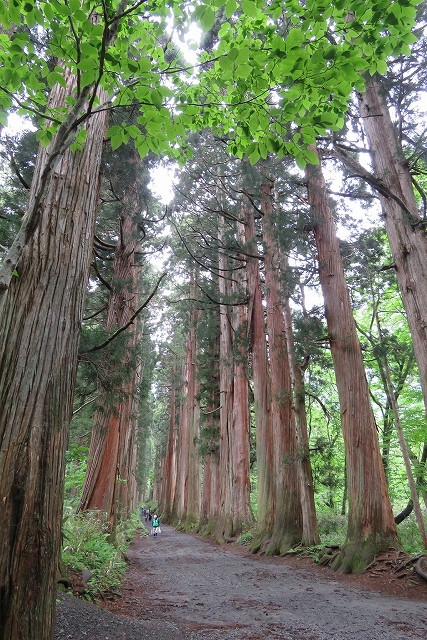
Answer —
(208, 591)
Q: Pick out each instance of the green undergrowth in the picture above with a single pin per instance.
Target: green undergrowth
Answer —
(246, 537)
(88, 544)
(333, 529)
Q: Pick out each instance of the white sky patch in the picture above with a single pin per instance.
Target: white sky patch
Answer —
(17, 124)
(162, 181)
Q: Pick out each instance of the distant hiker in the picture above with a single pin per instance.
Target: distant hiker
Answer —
(150, 515)
(142, 512)
(156, 525)
(147, 513)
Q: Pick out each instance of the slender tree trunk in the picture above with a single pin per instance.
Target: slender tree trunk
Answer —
(193, 495)
(241, 512)
(371, 526)
(404, 447)
(287, 530)
(211, 477)
(186, 508)
(169, 476)
(261, 382)
(404, 226)
(224, 528)
(310, 535)
(41, 316)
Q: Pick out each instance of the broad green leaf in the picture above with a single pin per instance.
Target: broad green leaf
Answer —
(311, 156)
(74, 5)
(230, 8)
(382, 67)
(156, 98)
(300, 160)
(249, 8)
(243, 71)
(254, 157)
(207, 19)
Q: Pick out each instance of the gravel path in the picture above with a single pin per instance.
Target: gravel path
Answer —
(182, 586)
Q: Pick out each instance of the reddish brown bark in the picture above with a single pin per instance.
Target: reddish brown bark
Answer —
(109, 485)
(224, 524)
(242, 516)
(404, 226)
(310, 535)
(187, 499)
(262, 399)
(41, 316)
(169, 470)
(371, 526)
(287, 530)
(211, 476)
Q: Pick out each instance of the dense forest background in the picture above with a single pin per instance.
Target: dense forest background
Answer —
(248, 355)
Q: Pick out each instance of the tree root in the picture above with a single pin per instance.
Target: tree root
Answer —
(421, 567)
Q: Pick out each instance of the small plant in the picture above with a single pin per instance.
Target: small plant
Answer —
(332, 528)
(410, 536)
(87, 546)
(245, 538)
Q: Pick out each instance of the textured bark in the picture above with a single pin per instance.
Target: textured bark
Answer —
(169, 469)
(261, 382)
(241, 512)
(211, 477)
(187, 500)
(181, 453)
(287, 530)
(310, 534)
(110, 469)
(371, 526)
(224, 527)
(40, 324)
(193, 495)
(404, 226)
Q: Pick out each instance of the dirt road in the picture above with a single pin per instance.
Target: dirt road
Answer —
(212, 592)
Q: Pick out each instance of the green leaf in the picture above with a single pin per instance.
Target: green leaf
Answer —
(230, 8)
(243, 71)
(113, 131)
(311, 156)
(87, 63)
(207, 19)
(301, 161)
(156, 98)
(382, 67)
(74, 5)
(249, 8)
(116, 142)
(254, 157)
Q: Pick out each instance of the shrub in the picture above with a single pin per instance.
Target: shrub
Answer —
(87, 545)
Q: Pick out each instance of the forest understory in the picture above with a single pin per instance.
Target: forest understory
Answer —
(183, 586)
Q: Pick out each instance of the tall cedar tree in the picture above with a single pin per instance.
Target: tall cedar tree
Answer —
(109, 483)
(371, 527)
(287, 529)
(38, 356)
(404, 226)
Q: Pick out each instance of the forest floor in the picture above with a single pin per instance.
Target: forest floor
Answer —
(185, 587)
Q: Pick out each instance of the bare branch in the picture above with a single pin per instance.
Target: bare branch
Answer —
(125, 326)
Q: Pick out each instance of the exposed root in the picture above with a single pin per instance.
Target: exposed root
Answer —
(421, 567)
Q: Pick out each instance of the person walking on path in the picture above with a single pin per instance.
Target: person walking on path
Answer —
(155, 525)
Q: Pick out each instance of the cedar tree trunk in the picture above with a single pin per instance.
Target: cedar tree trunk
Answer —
(371, 527)
(39, 335)
(112, 442)
(404, 226)
(261, 382)
(287, 530)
